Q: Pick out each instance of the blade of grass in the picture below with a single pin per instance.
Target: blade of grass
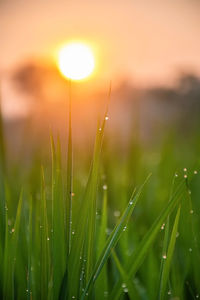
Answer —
(168, 255)
(127, 284)
(138, 256)
(58, 222)
(69, 175)
(90, 238)
(10, 254)
(29, 273)
(2, 180)
(101, 287)
(113, 239)
(84, 234)
(44, 242)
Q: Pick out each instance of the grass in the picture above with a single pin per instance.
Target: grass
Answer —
(119, 236)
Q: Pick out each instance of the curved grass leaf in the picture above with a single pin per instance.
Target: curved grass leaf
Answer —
(101, 286)
(10, 254)
(113, 239)
(167, 261)
(139, 254)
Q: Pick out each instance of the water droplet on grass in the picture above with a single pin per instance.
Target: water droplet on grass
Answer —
(191, 211)
(164, 256)
(195, 172)
(124, 228)
(105, 187)
(125, 290)
(190, 249)
(163, 226)
(185, 176)
(106, 118)
(116, 213)
(185, 170)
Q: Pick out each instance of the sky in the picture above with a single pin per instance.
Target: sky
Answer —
(144, 41)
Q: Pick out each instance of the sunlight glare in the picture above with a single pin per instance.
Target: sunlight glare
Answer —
(76, 61)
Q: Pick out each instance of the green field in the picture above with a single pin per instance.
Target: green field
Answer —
(119, 224)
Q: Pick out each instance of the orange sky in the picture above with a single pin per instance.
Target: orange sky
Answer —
(145, 40)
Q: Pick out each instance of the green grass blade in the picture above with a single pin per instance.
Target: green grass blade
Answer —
(58, 222)
(10, 254)
(90, 239)
(44, 243)
(69, 176)
(168, 255)
(85, 226)
(29, 273)
(113, 239)
(138, 256)
(128, 285)
(101, 286)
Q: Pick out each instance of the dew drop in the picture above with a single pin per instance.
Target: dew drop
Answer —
(105, 187)
(73, 232)
(169, 292)
(116, 213)
(163, 226)
(190, 249)
(185, 176)
(48, 239)
(191, 211)
(176, 175)
(185, 170)
(197, 296)
(125, 290)
(164, 256)
(100, 129)
(177, 234)
(106, 118)
(131, 202)
(123, 285)
(124, 228)
(195, 172)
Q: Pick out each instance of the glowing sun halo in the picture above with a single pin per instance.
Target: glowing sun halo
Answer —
(76, 61)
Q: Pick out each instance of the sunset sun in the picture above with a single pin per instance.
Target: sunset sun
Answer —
(76, 61)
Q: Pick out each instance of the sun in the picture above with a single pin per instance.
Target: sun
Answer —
(76, 61)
